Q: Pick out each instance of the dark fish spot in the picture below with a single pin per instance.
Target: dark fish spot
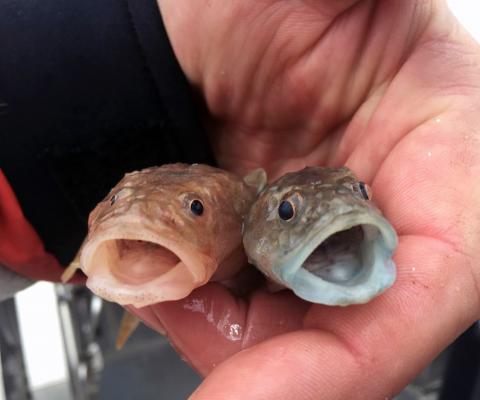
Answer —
(196, 207)
(363, 190)
(286, 211)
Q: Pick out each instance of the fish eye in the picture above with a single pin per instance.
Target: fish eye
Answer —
(365, 190)
(286, 210)
(196, 207)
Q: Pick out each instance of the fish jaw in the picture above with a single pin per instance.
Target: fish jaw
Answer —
(140, 267)
(352, 276)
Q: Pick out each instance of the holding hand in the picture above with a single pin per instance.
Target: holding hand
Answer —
(389, 89)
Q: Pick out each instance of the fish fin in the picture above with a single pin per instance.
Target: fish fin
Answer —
(127, 326)
(71, 269)
(256, 179)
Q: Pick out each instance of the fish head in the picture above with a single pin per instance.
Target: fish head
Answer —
(163, 231)
(317, 232)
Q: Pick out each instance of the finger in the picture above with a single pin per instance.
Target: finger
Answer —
(211, 324)
(363, 352)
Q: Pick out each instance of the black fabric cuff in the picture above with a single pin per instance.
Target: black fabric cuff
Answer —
(89, 90)
(175, 90)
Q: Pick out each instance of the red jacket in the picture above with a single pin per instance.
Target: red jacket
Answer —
(21, 249)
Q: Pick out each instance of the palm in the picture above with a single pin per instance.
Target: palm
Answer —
(378, 87)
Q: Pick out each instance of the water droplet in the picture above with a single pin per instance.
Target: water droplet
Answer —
(195, 305)
(234, 332)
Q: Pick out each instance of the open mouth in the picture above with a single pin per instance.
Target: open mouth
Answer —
(345, 263)
(341, 257)
(135, 261)
(140, 272)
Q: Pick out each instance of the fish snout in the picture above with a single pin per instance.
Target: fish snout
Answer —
(347, 262)
(143, 270)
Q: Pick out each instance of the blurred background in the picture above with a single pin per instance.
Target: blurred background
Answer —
(58, 342)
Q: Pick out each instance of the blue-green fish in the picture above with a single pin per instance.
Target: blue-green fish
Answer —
(317, 232)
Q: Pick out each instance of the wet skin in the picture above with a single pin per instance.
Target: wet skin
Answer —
(388, 88)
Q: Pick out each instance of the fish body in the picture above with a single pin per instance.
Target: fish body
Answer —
(163, 231)
(316, 232)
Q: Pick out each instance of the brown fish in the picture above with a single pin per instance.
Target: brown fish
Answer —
(164, 231)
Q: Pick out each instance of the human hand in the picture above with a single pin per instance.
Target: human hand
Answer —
(388, 88)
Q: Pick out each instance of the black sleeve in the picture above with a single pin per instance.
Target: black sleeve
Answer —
(89, 90)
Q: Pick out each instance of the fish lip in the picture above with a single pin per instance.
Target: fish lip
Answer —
(200, 267)
(309, 287)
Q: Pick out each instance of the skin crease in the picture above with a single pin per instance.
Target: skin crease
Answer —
(390, 89)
